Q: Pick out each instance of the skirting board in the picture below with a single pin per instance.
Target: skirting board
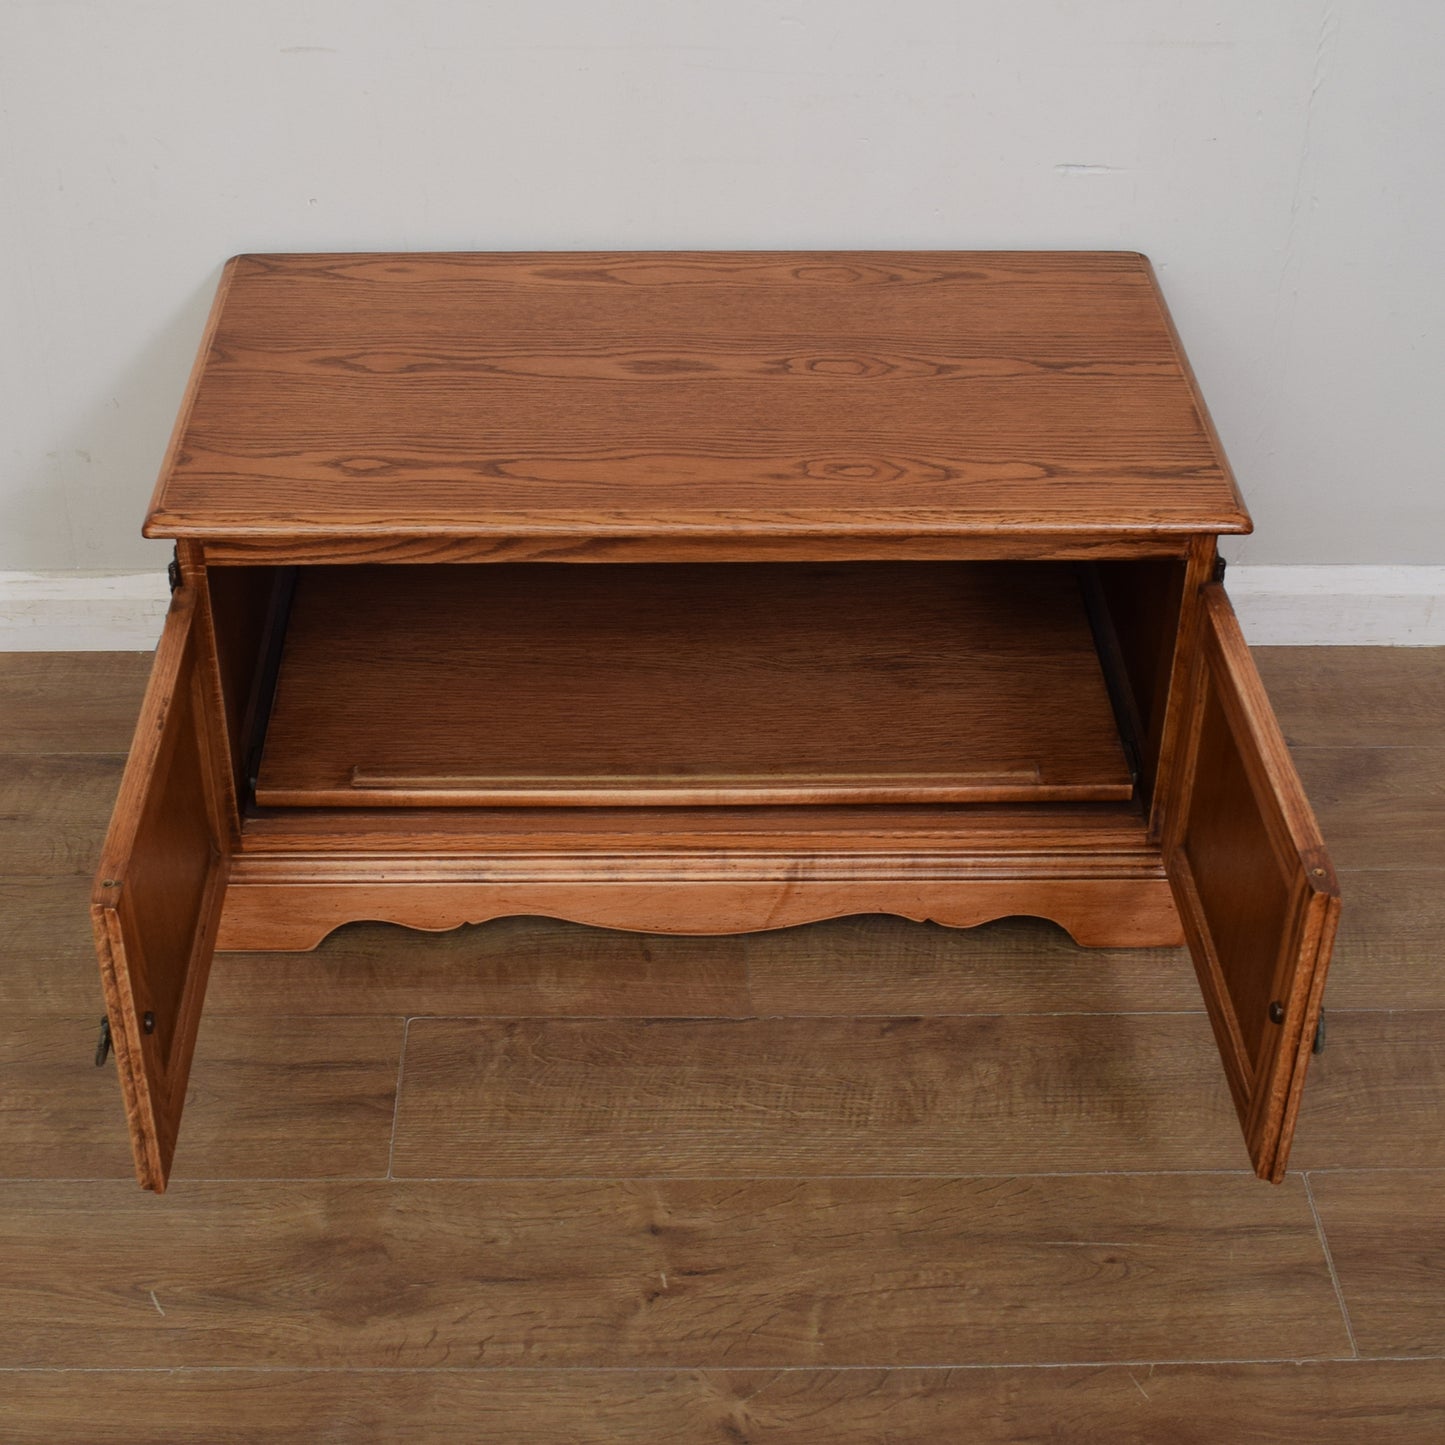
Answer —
(1278, 606)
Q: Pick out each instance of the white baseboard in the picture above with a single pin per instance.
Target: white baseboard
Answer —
(1288, 606)
(80, 612)
(1336, 606)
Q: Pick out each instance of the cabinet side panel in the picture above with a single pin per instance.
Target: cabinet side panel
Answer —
(243, 603)
(1142, 600)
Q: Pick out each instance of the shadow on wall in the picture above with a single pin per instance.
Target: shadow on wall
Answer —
(80, 503)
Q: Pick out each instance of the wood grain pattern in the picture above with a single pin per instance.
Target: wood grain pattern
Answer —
(69, 702)
(47, 953)
(1097, 839)
(766, 1097)
(1281, 1403)
(1256, 891)
(269, 1098)
(1141, 604)
(702, 870)
(158, 890)
(243, 606)
(889, 966)
(1322, 694)
(535, 685)
(1386, 1233)
(278, 1098)
(53, 811)
(60, 1118)
(1179, 717)
(511, 966)
(565, 406)
(675, 395)
(868, 965)
(1384, 804)
(1379, 1093)
(274, 1275)
(288, 913)
(1387, 952)
(680, 1274)
(643, 548)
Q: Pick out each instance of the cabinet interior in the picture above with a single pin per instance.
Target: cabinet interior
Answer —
(684, 685)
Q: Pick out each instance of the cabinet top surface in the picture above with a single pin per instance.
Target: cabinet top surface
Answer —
(802, 394)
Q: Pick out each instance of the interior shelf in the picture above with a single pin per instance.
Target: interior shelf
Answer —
(549, 685)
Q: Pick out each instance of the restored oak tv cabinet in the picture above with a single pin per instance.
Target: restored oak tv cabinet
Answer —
(703, 593)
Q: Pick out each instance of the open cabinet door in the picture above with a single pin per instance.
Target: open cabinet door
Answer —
(157, 898)
(1254, 886)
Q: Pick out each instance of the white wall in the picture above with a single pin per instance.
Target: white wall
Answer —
(1277, 158)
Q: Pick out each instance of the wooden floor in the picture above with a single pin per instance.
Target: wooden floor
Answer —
(860, 1181)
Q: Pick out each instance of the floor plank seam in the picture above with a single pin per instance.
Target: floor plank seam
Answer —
(1366, 747)
(663, 1179)
(1241, 1173)
(396, 1102)
(1388, 890)
(1376, 1168)
(815, 1018)
(1013, 1365)
(1330, 1261)
(109, 755)
(208, 1179)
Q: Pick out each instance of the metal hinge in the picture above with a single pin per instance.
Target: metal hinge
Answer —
(1217, 575)
(1276, 1016)
(173, 570)
(102, 1044)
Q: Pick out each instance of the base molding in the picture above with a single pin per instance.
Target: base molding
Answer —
(1095, 912)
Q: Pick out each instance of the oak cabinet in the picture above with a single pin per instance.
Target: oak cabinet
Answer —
(704, 593)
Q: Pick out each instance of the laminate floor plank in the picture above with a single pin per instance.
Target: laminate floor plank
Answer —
(71, 702)
(54, 811)
(1386, 1232)
(305, 1296)
(1387, 955)
(47, 951)
(510, 966)
(1388, 952)
(879, 964)
(667, 1274)
(1376, 1096)
(552, 1098)
(1325, 1403)
(1378, 807)
(269, 1098)
(1357, 696)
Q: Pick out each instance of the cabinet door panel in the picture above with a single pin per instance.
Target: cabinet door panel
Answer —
(158, 894)
(1254, 886)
